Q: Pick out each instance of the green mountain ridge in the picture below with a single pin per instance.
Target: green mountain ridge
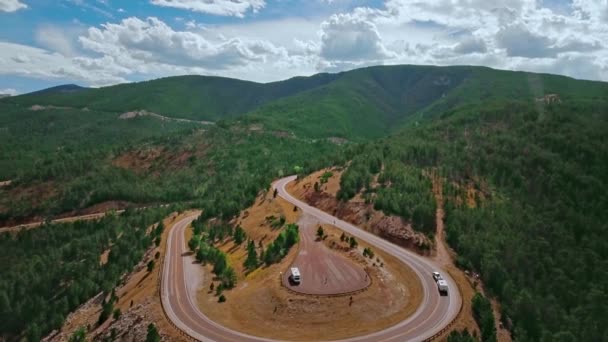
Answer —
(358, 104)
(190, 97)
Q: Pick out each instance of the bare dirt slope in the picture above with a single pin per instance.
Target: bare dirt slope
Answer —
(261, 306)
(356, 211)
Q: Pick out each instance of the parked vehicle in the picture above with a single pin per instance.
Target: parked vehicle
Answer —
(295, 275)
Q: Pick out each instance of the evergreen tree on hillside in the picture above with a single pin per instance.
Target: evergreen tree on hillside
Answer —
(252, 258)
(239, 235)
(152, 335)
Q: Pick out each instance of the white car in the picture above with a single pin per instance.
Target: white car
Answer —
(437, 276)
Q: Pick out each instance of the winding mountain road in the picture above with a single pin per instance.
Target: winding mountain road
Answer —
(178, 292)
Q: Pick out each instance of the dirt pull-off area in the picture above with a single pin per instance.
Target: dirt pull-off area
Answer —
(356, 211)
(138, 300)
(261, 306)
(323, 271)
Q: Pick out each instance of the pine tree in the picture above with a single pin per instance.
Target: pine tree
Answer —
(239, 235)
(320, 232)
(251, 262)
(152, 335)
(353, 242)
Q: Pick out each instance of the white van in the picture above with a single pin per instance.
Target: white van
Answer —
(442, 286)
(295, 275)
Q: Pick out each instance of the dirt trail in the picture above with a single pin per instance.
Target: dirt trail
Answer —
(60, 220)
(90, 216)
(442, 256)
(133, 114)
(445, 256)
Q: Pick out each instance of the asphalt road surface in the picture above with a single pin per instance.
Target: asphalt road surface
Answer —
(324, 272)
(178, 294)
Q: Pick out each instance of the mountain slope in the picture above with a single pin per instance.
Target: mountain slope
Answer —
(358, 104)
(526, 204)
(192, 97)
(363, 103)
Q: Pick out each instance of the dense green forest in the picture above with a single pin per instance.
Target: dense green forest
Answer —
(537, 231)
(219, 169)
(38, 144)
(537, 172)
(49, 271)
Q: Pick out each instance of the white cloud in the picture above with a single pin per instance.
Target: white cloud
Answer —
(11, 5)
(236, 8)
(506, 34)
(153, 41)
(9, 91)
(518, 41)
(22, 60)
(595, 10)
(54, 38)
(470, 45)
(351, 38)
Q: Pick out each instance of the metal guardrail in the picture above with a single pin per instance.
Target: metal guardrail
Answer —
(446, 328)
(351, 293)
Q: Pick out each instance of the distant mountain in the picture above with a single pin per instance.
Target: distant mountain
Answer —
(60, 89)
(375, 101)
(362, 103)
(192, 97)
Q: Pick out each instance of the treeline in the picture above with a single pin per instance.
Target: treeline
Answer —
(206, 235)
(49, 271)
(461, 336)
(279, 248)
(537, 232)
(484, 316)
(202, 244)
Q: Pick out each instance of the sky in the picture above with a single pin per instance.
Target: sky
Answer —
(95, 43)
